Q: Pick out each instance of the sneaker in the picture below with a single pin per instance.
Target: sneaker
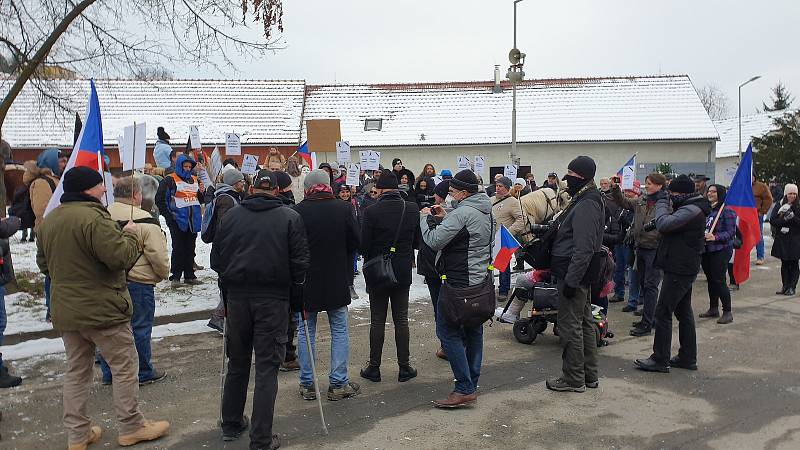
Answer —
(371, 373)
(353, 293)
(229, 436)
(7, 380)
(760, 262)
(727, 317)
(308, 392)
(628, 308)
(193, 282)
(711, 313)
(648, 365)
(406, 373)
(593, 384)
(289, 366)
(95, 433)
(158, 375)
(456, 400)
(560, 385)
(150, 431)
(675, 362)
(274, 445)
(217, 324)
(350, 389)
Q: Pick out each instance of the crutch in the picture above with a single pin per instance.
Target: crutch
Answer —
(314, 372)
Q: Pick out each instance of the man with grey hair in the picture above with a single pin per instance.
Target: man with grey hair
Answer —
(151, 268)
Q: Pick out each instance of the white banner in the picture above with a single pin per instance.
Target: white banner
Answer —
(343, 152)
(462, 163)
(510, 171)
(480, 164)
(194, 137)
(353, 172)
(134, 145)
(233, 144)
(249, 164)
(370, 160)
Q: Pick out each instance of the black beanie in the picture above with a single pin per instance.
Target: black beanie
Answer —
(681, 184)
(162, 134)
(387, 180)
(442, 188)
(81, 178)
(583, 166)
(465, 181)
(284, 180)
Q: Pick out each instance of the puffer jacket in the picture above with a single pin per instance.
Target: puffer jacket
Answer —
(683, 228)
(507, 211)
(41, 191)
(786, 231)
(86, 255)
(464, 241)
(643, 212)
(190, 218)
(161, 153)
(153, 265)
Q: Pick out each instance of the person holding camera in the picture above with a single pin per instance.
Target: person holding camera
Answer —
(578, 239)
(683, 236)
(785, 222)
(646, 240)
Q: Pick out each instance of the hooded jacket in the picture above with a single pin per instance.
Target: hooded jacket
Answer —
(188, 219)
(786, 232)
(682, 233)
(463, 240)
(161, 154)
(43, 179)
(260, 248)
(152, 266)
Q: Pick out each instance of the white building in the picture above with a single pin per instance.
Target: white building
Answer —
(728, 145)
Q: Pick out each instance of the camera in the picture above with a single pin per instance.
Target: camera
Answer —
(650, 226)
(543, 228)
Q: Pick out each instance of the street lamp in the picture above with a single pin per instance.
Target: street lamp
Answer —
(740, 111)
(515, 75)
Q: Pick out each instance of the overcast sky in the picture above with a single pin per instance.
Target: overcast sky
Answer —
(715, 42)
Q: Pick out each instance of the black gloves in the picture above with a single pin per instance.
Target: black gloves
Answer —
(569, 291)
(296, 297)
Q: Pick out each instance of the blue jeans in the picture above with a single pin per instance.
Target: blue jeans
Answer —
(340, 347)
(633, 289)
(620, 261)
(144, 309)
(2, 318)
(464, 350)
(47, 295)
(760, 244)
(505, 280)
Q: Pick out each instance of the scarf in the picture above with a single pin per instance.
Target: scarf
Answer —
(319, 188)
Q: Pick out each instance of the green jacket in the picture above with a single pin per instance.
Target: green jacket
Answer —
(86, 255)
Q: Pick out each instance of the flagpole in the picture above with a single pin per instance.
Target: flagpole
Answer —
(716, 219)
(102, 174)
(133, 166)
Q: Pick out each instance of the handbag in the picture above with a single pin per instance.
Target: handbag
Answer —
(469, 306)
(378, 270)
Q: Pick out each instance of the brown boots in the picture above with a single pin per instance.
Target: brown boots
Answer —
(149, 432)
(94, 435)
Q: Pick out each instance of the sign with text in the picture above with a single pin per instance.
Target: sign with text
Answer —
(233, 144)
(194, 137)
(370, 160)
(462, 163)
(249, 164)
(343, 152)
(510, 171)
(353, 172)
(480, 164)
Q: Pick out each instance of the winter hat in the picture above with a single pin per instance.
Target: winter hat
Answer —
(396, 161)
(681, 184)
(442, 188)
(505, 181)
(446, 174)
(387, 180)
(583, 166)
(232, 176)
(81, 178)
(162, 134)
(789, 188)
(284, 180)
(520, 182)
(317, 176)
(466, 181)
(325, 166)
(265, 179)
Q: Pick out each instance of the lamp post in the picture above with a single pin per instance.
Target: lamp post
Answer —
(740, 111)
(515, 75)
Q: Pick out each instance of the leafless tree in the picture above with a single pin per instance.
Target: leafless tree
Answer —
(41, 40)
(715, 101)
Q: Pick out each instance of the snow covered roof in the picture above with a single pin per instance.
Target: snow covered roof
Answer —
(752, 125)
(658, 108)
(261, 111)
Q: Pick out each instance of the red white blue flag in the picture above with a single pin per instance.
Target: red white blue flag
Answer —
(504, 247)
(306, 155)
(88, 150)
(740, 199)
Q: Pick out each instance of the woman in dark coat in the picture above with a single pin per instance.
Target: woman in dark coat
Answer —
(785, 223)
(424, 192)
(718, 251)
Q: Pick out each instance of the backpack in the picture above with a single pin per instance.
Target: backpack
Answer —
(209, 225)
(21, 202)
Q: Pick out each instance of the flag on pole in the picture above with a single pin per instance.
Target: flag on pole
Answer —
(88, 150)
(504, 247)
(740, 199)
(306, 155)
(627, 173)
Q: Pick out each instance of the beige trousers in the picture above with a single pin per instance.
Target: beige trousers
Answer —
(117, 346)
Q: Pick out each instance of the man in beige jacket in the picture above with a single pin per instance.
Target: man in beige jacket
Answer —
(151, 268)
(506, 211)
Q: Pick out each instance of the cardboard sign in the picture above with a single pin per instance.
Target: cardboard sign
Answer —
(343, 152)
(353, 172)
(249, 164)
(370, 160)
(510, 171)
(480, 164)
(134, 145)
(462, 163)
(194, 137)
(323, 134)
(233, 144)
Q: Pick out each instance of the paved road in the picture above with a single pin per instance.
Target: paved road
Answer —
(745, 395)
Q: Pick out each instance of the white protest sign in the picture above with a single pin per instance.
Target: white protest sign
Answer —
(215, 165)
(233, 144)
(134, 145)
(314, 160)
(202, 174)
(370, 160)
(249, 164)
(480, 164)
(627, 177)
(462, 163)
(510, 171)
(353, 172)
(194, 137)
(343, 152)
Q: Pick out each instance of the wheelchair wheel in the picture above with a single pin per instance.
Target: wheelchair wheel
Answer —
(524, 331)
(539, 326)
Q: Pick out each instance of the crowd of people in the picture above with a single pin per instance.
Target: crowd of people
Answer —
(278, 266)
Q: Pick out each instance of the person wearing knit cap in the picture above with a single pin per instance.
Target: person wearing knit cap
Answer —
(680, 219)
(87, 255)
(578, 240)
(380, 224)
(399, 170)
(506, 211)
(785, 221)
(463, 239)
(162, 149)
(285, 188)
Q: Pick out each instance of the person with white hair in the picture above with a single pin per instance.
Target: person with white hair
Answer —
(785, 220)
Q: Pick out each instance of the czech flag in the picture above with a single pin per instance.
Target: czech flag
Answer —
(504, 247)
(740, 199)
(88, 150)
(630, 165)
(306, 155)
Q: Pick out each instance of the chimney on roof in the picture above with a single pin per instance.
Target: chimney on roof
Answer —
(497, 77)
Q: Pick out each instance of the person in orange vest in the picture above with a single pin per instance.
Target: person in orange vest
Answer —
(179, 197)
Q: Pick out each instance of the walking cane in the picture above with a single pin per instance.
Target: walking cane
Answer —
(314, 372)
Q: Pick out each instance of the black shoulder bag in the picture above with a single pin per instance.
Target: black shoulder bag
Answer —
(378, 271)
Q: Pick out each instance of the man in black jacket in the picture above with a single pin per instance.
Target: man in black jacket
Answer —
(261, 267)
(378, 229)
(579, 237)
(678, 255)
